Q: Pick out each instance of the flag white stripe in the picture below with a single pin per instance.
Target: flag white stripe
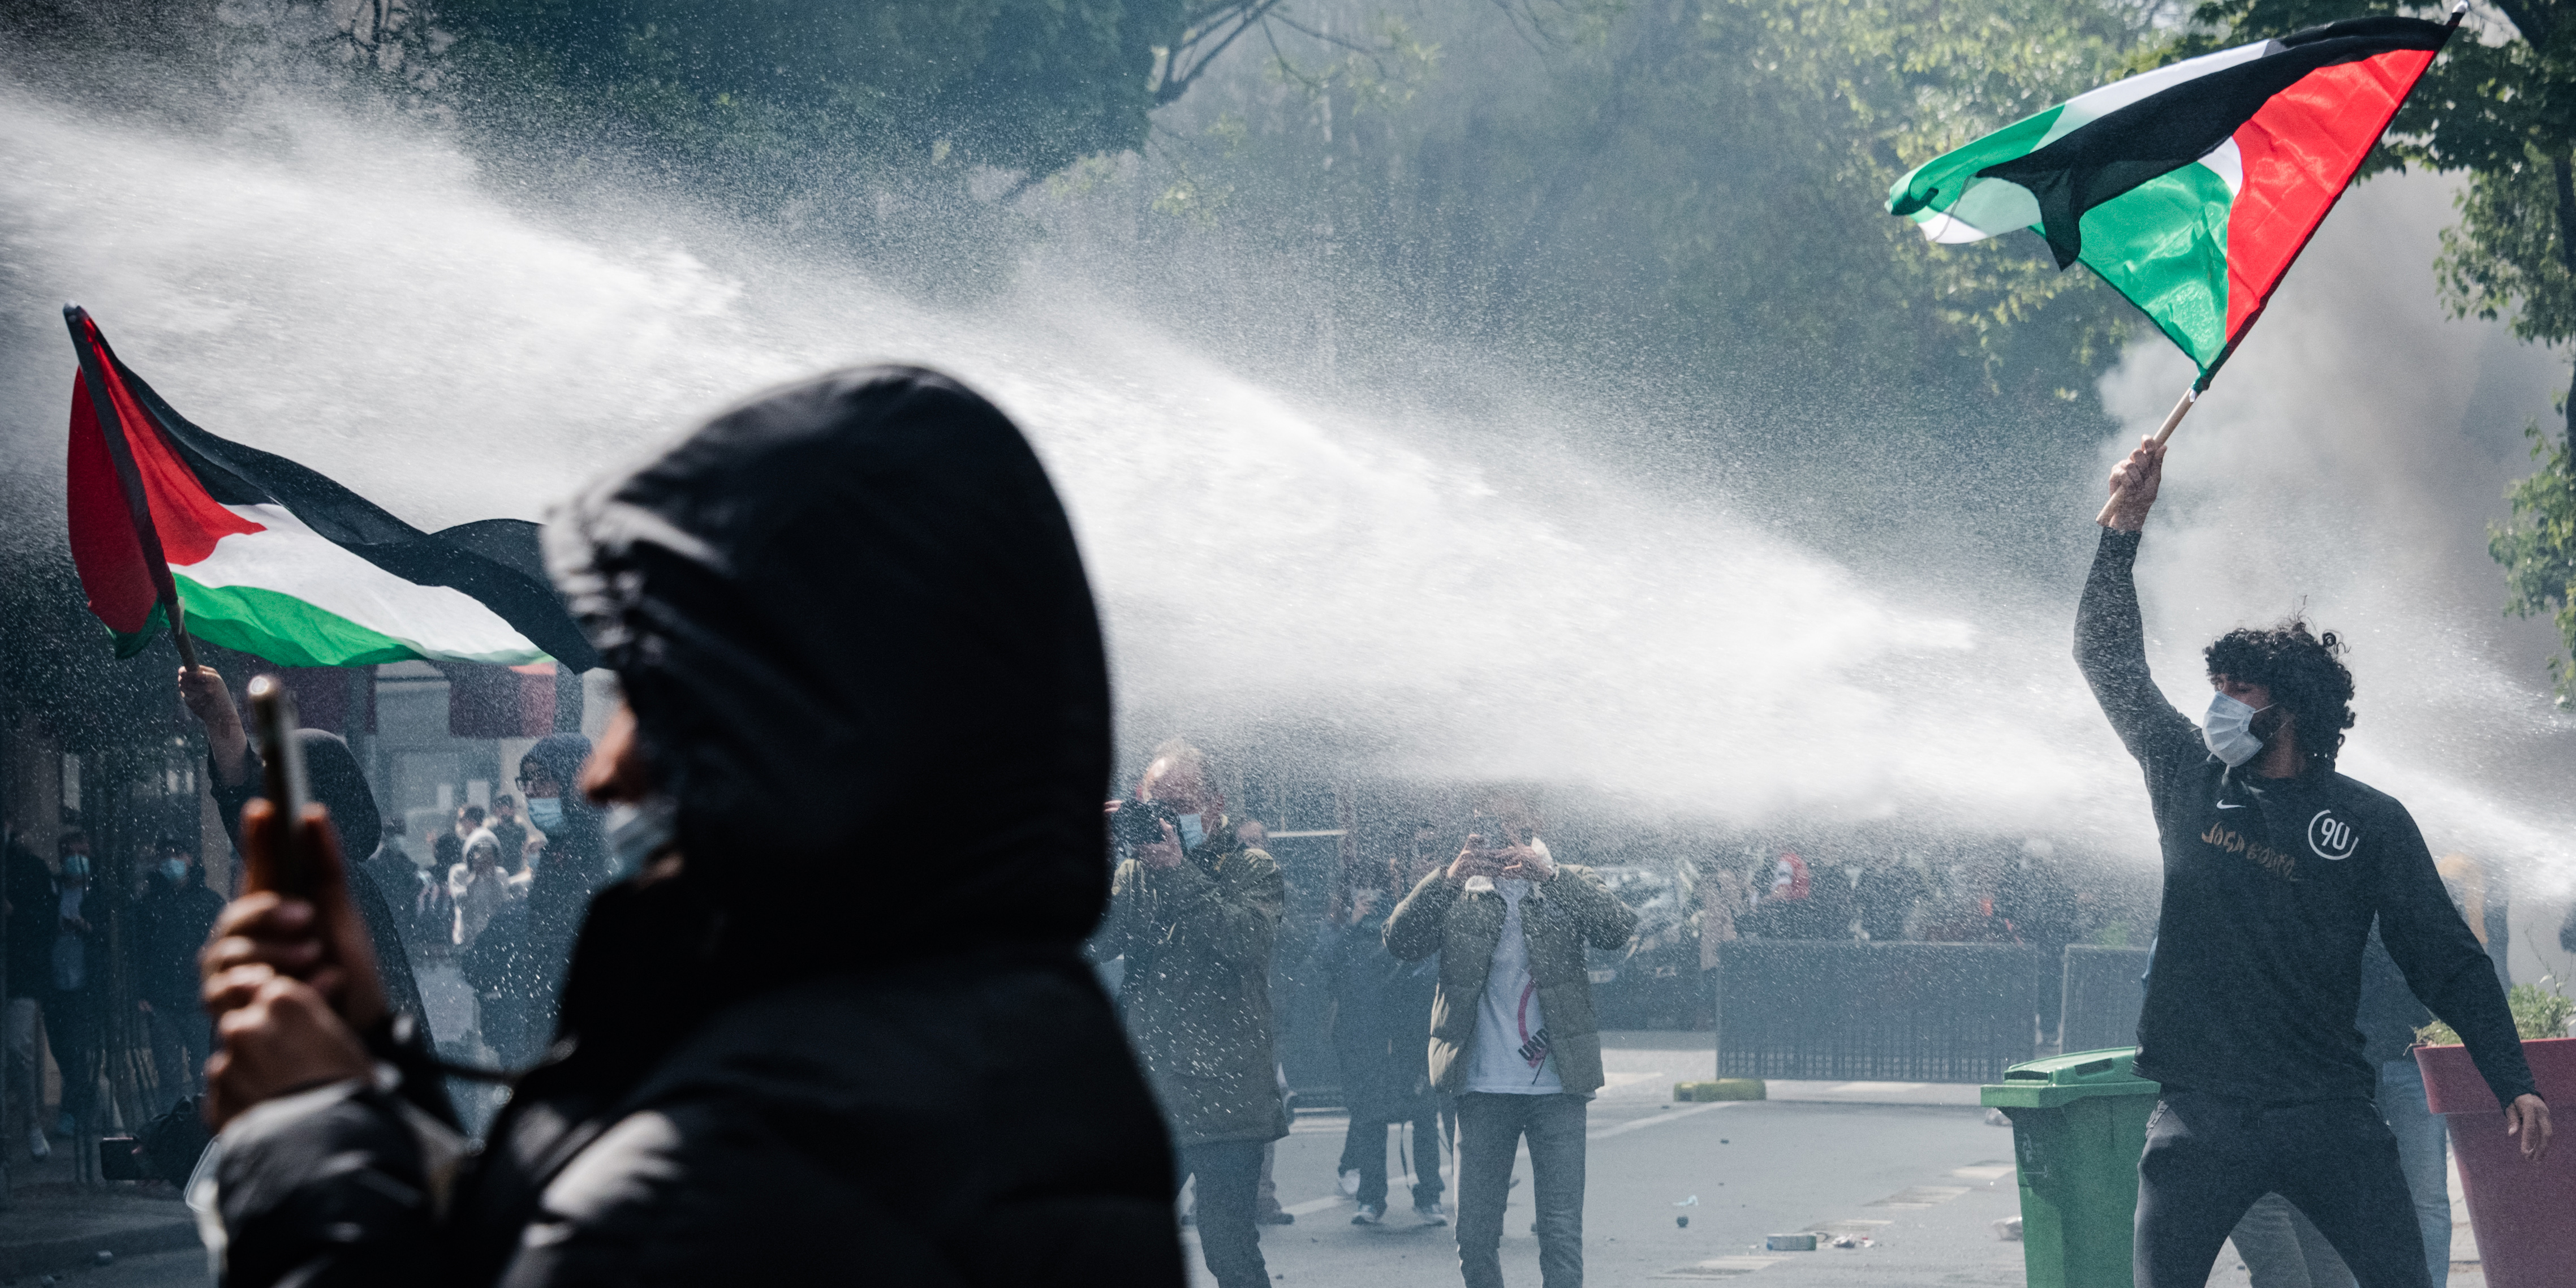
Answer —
(290, 558)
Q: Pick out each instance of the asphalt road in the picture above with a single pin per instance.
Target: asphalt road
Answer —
(1922, 1182)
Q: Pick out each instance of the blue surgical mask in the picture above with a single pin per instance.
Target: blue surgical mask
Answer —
(175, 869)
(1192, 831)
(2228, 730)
(546, 812)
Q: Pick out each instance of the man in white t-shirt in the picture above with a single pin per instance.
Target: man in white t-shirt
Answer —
(1512, 1029)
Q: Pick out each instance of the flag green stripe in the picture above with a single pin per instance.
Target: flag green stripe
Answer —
(2164, 245)
(1937, 185)
(287, 630)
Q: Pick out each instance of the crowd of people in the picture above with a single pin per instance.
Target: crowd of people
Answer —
(847, 957)
(60, 998)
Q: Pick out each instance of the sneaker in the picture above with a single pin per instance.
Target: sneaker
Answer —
(37, 1145)
(1369, 1214)
(1350, 1181)
(1432, 1213)
(1280, 1217)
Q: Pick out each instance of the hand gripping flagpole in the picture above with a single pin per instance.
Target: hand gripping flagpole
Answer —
(2198, 387)
(137, 506)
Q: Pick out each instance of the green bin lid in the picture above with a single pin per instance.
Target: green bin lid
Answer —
(2062, 1079)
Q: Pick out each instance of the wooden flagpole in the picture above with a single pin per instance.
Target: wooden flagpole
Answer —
(2172, 418)
(138, 507)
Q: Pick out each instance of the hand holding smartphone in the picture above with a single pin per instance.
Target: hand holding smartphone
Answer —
(286, 863)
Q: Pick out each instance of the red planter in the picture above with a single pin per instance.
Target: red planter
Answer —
(2524, 1213)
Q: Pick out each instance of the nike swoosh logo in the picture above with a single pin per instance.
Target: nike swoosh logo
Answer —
(2225, 805)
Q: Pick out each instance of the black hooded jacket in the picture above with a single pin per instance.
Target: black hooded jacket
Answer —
(849, 1039)
(384, 881)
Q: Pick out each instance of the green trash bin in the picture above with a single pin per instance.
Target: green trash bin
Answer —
(2079, 1124)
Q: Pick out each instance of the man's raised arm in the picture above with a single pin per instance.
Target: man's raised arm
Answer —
(2110, 633)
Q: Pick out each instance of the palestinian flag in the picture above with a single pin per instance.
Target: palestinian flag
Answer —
(266, 556)
(2190, 188)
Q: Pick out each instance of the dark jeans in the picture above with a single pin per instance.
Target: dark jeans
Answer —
(1229, 1185)
(1364, 1150)
(2208, 1158)
(1490, 1128)
(182, 1039)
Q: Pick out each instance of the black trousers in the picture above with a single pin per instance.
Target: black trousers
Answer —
(2208, 1158)
(1364, 1151)
(1229, 1189)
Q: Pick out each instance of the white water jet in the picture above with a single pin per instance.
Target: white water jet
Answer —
(1460, 602)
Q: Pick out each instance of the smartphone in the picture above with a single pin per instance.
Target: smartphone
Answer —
(272, 711)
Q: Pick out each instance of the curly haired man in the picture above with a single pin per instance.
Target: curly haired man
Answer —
(2275, 866)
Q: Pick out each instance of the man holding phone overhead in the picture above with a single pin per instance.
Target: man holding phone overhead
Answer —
(1512, 1028)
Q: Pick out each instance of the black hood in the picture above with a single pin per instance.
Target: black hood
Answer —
(862, 653)
(332, 775)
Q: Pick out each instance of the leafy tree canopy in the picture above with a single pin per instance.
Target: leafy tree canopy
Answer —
(1025, 85)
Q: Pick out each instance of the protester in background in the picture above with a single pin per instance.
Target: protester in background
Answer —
(78, 963)
(433, 910)
(28, 886)
(1196, 915)
(867, 685)
(510, 832)
(478, 887)
(171, 923)
(1381, 1010)
(469, 820)
(2047, 913)
(1799, 904)
(388, 881)
(1512, 1033)
(1890, 887)
(517, 962)
(2276, 867)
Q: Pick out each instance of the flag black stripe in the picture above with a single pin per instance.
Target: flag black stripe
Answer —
(2174, 127)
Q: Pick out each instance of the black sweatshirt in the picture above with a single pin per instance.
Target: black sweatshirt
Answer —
(2270, 888)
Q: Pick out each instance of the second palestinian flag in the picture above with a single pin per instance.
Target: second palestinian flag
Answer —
(2190, 188)
(275, 560)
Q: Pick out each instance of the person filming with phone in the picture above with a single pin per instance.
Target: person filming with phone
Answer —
(1512, 1029)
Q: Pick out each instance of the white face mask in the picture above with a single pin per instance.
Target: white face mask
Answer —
(2228, 730)
(1192, 831)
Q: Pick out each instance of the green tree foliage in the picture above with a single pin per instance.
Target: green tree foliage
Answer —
(1025, 85)
(1695, 174)
(2501, 105)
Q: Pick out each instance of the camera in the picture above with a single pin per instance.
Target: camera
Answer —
(1136, 823)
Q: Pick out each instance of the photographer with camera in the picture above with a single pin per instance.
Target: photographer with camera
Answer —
(1194, 911)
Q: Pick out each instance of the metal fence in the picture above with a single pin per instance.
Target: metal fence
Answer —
(1880, 1012)
(2105, 989)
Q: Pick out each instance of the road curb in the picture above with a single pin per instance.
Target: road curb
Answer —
(47, 1256)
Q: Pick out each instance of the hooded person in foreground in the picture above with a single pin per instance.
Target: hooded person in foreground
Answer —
(833, 1026)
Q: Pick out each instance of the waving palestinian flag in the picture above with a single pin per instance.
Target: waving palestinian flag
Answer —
(2190, 188)
(266, 556)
